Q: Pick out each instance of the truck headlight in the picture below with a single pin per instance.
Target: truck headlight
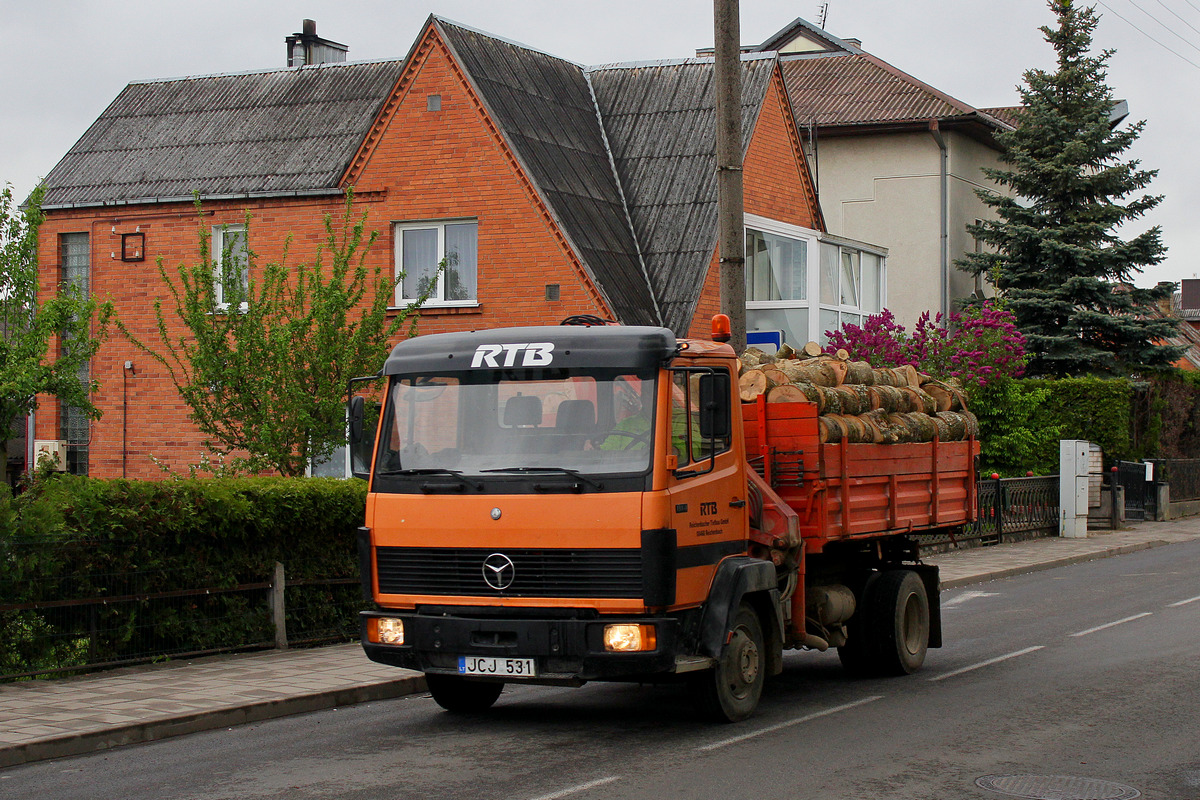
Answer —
(625, 638)
(386, 630)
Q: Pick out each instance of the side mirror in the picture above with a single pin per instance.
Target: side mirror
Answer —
(362, 421)
(356, 419)
(715, 413)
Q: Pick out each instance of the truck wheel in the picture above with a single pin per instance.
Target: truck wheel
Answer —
(462, 696)
(859, 655)
(901, 617)
(729, 692)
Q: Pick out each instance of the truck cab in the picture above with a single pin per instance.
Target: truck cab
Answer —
(551, 505)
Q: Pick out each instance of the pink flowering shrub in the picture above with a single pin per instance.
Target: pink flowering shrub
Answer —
(979, 345)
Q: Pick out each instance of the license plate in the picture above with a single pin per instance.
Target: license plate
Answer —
(500, 667)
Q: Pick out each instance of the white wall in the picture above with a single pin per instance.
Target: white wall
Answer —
(885, 189)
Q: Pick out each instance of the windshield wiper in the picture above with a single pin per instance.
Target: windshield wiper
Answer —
(453, 473)
(563, 470)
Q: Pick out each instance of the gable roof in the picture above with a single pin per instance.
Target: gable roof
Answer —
(844, 90)
(660, 118)
(544, 107)
(277, 132)
(621, 155)
(785, 38)
(841, 88)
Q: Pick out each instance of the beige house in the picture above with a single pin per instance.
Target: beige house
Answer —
(897, 163)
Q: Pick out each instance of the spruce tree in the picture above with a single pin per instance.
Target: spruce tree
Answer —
(1058, 262)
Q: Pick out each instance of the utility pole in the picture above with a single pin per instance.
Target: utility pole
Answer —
(731, 246)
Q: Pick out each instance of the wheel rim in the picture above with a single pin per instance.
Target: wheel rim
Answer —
(911, 621)
(744, 663)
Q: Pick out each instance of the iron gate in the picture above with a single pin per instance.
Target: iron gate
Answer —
(1141, 499)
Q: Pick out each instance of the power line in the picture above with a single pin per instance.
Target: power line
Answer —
(1164, 25)
(1148, 36)
(1181, 19)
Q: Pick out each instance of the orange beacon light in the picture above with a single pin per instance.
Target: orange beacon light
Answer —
(721, 328)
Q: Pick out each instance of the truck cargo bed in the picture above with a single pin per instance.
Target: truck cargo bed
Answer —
(850, 491)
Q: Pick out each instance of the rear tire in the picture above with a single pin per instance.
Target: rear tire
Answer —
(901, 622)
(859, 655)
(462, 696)
(730, 691)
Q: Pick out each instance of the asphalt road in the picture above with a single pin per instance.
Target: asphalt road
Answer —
(1085, 678)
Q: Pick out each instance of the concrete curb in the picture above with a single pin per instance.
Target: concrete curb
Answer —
(165, 727)
(1024, 569)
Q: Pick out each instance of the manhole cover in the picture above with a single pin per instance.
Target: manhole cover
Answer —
(1057, 787)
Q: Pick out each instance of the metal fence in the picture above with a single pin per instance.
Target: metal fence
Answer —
(80, 621)
(1182, 476)
(1008, 507)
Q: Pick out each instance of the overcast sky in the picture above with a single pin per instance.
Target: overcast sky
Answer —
(66, 60)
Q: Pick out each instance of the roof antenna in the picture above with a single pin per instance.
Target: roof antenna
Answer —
(822, 13)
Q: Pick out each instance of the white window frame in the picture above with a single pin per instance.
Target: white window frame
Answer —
(436, 300)
(814, 238)
(843, 310)
(341, 453)
(218, 258)
(807, 235)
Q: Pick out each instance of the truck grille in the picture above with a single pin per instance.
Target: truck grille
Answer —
(535, 573)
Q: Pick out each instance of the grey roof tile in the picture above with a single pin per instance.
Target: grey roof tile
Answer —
(544, 106)
(660, 121)
(635, 195)
(281, 131)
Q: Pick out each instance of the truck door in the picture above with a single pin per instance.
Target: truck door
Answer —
(707, 490)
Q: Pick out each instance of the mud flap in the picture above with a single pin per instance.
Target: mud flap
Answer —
(928, 573)
(737, 577)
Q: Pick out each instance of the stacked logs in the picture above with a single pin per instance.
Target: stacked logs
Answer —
(856, 402)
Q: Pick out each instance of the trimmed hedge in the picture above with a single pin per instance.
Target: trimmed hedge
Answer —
(1097, 409)
(1021, 421)
(231, 528)
(74, 537)
(1173, 414)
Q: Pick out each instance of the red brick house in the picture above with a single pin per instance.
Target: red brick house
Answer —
(562, 189)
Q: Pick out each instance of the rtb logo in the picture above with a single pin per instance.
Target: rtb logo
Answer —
(533, 354)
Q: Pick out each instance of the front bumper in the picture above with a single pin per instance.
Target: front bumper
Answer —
(568, 651)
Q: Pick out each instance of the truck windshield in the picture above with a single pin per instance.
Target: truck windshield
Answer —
(518, 424)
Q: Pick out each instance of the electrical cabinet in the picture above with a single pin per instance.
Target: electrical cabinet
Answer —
(1074, 466)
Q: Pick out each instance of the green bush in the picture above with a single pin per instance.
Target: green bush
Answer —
(74, 537)
(1014, 437)
(1021, 421)
(1097, 409)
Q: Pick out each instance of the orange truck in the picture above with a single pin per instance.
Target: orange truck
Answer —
(574, 503)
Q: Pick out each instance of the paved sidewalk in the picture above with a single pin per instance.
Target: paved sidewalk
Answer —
(962, 567)
(52, 719)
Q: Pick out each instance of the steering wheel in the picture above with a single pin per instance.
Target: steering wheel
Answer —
(635, 438)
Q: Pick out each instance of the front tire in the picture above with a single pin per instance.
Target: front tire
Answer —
(730, 691)
(462, 696)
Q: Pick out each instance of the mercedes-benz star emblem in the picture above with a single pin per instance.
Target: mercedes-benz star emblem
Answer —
(498, 571)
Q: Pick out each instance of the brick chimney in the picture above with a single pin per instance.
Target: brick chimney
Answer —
(308, 48)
